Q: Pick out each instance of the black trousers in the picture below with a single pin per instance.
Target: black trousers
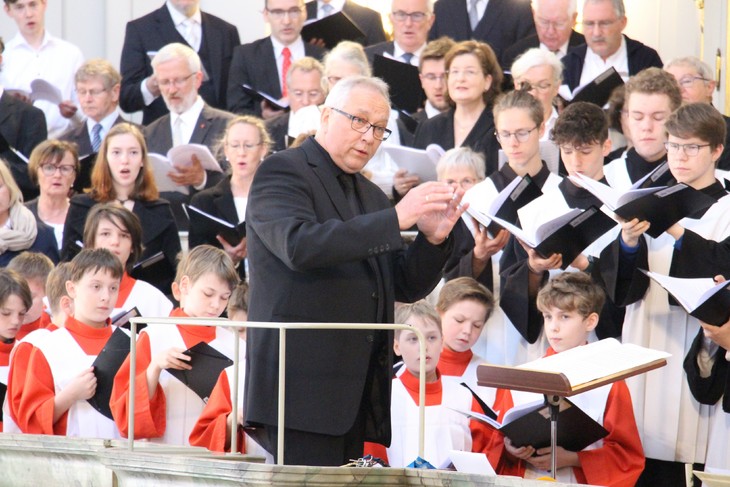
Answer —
(665, 474)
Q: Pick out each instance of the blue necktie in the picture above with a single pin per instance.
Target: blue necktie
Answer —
(96, 137)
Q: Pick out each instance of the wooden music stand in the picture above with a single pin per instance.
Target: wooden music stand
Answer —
(556, 378)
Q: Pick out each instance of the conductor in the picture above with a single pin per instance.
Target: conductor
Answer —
(324, 246)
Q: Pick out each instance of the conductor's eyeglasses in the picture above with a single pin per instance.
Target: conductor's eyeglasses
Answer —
(361, 125)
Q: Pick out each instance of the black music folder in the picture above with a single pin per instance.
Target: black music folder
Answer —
(406, 92)
(106, 365)
(207, 364)
(233, 234)
(332, 30)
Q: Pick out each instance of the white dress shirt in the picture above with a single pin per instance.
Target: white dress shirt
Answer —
(182, 25)
(562, 50)
(337, 5)
(398, 53)
(481, 7)
(55, 61)
(595, 66)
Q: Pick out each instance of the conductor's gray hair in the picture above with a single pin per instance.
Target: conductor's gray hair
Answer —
(537, 57)
(462, 157)
(340, 93)
(177, 50)
(618, 6)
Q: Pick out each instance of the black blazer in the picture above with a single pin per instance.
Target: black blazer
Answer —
(217, 201)
(159, 232)
(208, 131)
(640, 57)
(255, 64)
(440, 130)
(311, 260)
(380, 48)
(512, 52)
(154, 31)
(23, 126)
(366, 19)
(503, 23)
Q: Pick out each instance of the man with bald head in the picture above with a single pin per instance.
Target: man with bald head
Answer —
(324, 247)
(606, 46)
(554, 22)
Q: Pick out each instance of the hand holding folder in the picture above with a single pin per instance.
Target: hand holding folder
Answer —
(206, 365)
(106, 365)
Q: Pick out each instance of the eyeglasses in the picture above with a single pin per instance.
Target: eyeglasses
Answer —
(246, 148)
(546, 24)
(541, 87)
(467, 73)
(299, 94)
(416, 17)
(520, 135)
(50, 169)
(361, 125)
(690, 150)
(465, 183)
(177, 82)
(279, 14)
(687, 81)
(434, 77)
(93, 93)
(601, 24)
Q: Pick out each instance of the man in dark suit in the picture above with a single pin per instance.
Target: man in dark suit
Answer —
(411, 21)
(554, 22)
(500, 24)
(262, 64)
(97, 86)
(324, 246)
(176, 21)
(304, 88)
(603, 24)
(366, 19)
(190, 121)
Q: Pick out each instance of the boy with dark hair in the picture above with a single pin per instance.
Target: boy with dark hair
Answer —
(60, 377)
(570, 304)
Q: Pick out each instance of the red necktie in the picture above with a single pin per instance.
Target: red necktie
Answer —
(286, 53)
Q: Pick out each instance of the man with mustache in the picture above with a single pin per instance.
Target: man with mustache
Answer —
(606, 46)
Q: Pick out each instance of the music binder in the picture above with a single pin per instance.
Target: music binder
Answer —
(597, 91)
(574, 371)
(260, 96)
(83, 178)
(568, 234)
(332, 30)
(233, 234)
(518, 193)
(122, 318)
(406, 92)
(3, 392)
(660, 206)
(180, 156)
(207, 363)
(106, 365)
(702, 298)
(421, 162)
(151, 268)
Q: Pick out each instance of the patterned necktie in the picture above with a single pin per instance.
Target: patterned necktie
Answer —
(96, 137)
(407, 56)
(177, 137)
(473, 14)
(285, 63)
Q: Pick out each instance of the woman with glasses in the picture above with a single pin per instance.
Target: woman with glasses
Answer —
(19, 229)
(244, 144)
(473, 79)
(53, 166)
(122, 176)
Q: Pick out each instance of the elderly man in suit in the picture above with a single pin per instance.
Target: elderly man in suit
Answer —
(411, 20)
(366, 19)
(324, 246)
(263, 64)
(606, 46)
(176, 21)
(554, 22)
(191, 121)
(97, 87)
(499, 23)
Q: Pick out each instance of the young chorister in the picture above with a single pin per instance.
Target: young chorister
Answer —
(60, 306)
(213, 428)
(34, 267)
(165, 408)
(60, 377)
(570, 304)
(15, 300)
(698, 246)
(114, 227)
(446, 428)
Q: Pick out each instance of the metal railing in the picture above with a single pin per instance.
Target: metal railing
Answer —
(282, 327)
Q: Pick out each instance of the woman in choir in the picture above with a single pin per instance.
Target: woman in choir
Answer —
(245, 144)
(19, 229)
(473, 79)
(53, 166)
(122, 176)
(115, 228)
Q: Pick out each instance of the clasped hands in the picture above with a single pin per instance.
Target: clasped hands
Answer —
(434, 207)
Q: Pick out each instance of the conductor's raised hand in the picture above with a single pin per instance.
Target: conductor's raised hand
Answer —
(425, 198)
(437, 208)
(633, 229)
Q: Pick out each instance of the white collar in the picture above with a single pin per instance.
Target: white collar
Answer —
(190, 116)
(337, 5)
(19, 41)
(398, 52)
(278, 46)
(178, 17)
